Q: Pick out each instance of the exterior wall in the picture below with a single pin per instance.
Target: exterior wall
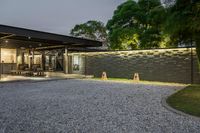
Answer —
(166, 65)
(7, 67)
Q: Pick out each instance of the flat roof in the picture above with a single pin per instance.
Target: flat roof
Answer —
(15, 37)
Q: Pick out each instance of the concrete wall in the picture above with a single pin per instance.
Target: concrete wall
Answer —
(167, 65)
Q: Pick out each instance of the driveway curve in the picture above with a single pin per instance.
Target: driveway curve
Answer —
(87, 106)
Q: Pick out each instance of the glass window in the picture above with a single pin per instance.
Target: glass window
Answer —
(8, 55)
(76, 63)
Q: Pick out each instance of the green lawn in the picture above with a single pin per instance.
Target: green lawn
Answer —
(142, 82)
(187, 100)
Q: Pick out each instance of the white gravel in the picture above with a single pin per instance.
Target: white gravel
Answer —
(83, 106)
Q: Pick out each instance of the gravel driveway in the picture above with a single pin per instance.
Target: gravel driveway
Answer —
(84, 106)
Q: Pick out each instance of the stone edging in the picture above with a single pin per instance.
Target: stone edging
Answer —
(169, 108)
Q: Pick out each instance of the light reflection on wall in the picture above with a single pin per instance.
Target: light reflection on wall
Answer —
(8, 55)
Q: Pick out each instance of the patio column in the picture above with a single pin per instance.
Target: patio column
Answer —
(65, 61)
(22, 57)
(43, 60)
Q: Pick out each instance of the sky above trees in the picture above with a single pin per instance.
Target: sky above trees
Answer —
(56, 16)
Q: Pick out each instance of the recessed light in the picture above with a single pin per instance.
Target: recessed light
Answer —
(29, 37)
(6, 41)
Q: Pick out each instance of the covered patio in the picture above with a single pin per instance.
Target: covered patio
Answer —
(26, 53)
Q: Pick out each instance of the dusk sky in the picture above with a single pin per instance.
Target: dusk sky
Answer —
(56, 16)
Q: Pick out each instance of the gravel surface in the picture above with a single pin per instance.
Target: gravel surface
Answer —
(86, 106)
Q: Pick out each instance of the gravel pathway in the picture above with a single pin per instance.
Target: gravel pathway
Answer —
(84, 106)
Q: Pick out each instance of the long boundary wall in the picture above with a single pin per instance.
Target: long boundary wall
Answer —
(166, 65)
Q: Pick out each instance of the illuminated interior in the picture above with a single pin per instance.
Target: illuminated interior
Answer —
(8, 55)
(37, 59)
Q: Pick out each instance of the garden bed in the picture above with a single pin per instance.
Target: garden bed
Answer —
(186, 100)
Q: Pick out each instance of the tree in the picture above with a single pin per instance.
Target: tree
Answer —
(122, 25)
(143, 19)
(195, 26)
(125, 38)
(183, 21)
(94, 30)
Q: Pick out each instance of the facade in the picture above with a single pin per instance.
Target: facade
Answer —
(24, 51)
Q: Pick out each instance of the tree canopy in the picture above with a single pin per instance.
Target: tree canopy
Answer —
(137, 25)
(147, 24)
(182, 23)
(94, 30)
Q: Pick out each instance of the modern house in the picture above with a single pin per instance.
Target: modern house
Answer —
(27, 50)
(31, 53)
